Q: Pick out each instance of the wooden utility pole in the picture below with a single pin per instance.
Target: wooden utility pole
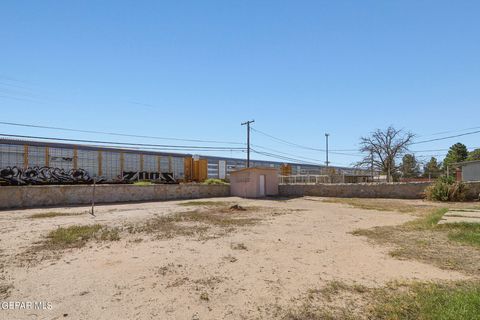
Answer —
(248, 140)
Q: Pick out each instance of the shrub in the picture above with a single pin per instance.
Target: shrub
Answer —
(446, 189)
(143, 183)
(214, 181)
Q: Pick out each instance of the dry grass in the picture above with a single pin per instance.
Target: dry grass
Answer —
(448, 246)
(5, 290)
(196, 203)
(202, 224)
(76, 237)
(383, 204)
(238, 246)
(210, 282)
(52, 214)
(194, 223)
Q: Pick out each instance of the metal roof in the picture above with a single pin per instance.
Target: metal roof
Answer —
(463, 163)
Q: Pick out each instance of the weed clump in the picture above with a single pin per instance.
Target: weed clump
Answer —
(446, 189)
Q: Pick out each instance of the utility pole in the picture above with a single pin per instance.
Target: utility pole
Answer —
(248, 140)
(326, 139)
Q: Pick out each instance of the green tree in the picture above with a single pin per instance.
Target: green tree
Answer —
(457, 153)
(409, 167)
(432, 169)
(474, 155)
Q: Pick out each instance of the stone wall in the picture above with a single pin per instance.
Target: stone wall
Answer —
(413, 190)
(473, 190)
(397, 190)
(55, 195)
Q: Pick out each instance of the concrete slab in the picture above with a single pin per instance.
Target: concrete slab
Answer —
(468, 214)
(461, 215)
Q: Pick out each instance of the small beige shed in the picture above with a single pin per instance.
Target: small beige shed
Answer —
(254, 182)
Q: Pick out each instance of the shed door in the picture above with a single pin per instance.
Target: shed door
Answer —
(261, 191)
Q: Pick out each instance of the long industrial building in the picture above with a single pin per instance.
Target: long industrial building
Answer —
(38, 162)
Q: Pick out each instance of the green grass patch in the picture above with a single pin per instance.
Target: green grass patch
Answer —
(78, 236)
(458, 300)
(143, 183)
(452, 301)
(215, 181)
(52, 214)
(464, 232)
(468, 237)
(427, 222)
(450, 246)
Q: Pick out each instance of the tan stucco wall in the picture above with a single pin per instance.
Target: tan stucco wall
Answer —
(246, 183)
(38, 196)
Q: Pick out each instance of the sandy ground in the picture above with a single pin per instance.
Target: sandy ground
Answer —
(285, 256)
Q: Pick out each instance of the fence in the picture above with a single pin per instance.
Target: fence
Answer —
(304, 179)
(324, 178)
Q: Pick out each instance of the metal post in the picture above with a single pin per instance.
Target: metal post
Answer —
(248, 140)
(93, 198)
(326, 139)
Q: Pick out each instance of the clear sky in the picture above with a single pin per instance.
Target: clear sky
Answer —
(197, 69)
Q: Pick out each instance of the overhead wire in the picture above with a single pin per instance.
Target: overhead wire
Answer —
(116, 133)
(177, 147)
(449, 137)
(302, 146)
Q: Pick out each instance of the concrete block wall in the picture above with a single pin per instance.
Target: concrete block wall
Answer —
(397, 190)
(473, 190)
(55, 195)
(413, 190)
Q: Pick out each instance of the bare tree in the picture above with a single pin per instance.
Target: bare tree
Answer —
(382, 148)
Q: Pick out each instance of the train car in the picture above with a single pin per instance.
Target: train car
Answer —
(24, 162)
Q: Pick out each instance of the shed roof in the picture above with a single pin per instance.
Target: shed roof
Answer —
(464, 163)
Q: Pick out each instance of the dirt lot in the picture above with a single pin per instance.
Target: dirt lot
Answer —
(197, 259)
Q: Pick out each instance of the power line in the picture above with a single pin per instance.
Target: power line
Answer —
(115, 133)
(276, 156)
(449, 137)
(178, 147)
(450, 131)
(166, 149)
(286, 153)
(287, 142)
(303, 146)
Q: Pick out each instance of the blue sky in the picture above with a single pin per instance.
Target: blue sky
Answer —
(197, 69)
